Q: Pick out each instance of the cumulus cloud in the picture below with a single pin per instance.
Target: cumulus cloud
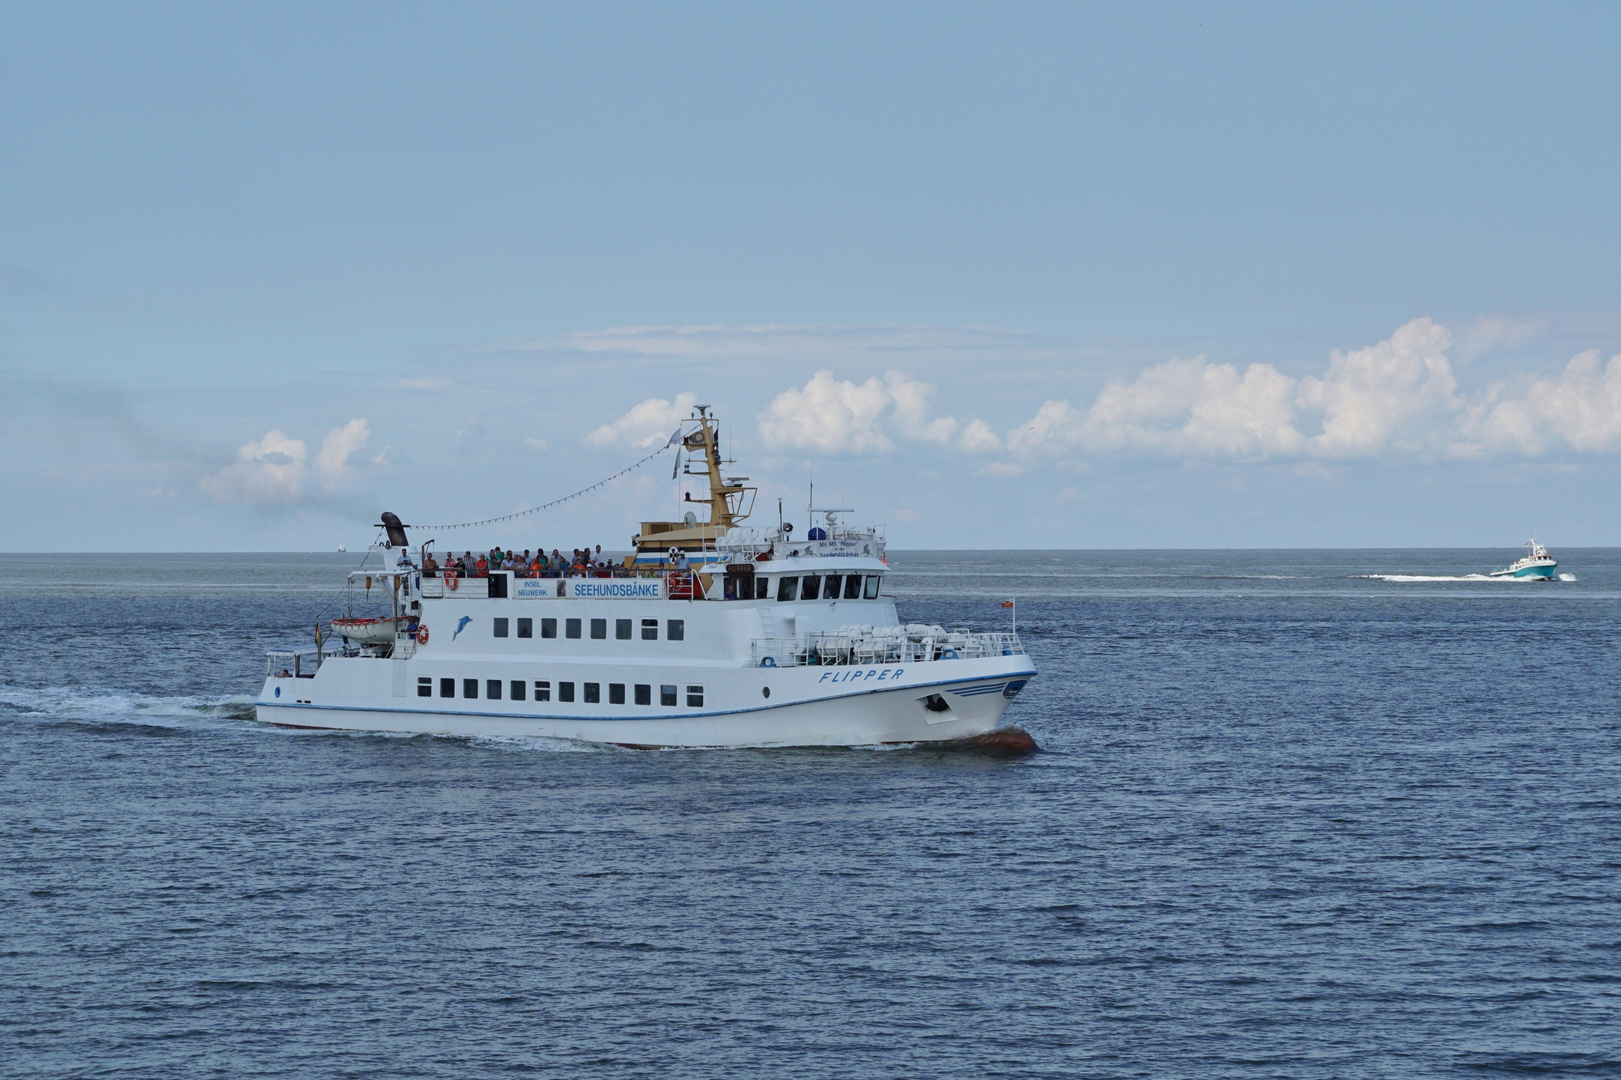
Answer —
(277, 469)
(645, 425)
(1397, 398)
(833, 416)
(1393, 395)
(1580, 409)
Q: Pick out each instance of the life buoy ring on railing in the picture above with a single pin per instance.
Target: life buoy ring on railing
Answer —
(422, 635)
(770, 661)
(450, 582)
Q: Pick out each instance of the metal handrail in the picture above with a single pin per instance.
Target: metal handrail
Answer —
(834, 649)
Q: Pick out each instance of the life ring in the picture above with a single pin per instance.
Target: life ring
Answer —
(450, 582)
(422, 635)
(770, 661)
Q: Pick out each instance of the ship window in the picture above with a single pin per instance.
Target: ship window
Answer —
(830, 587)
(644, 693)
(872, 586)
(548, 628)
(469, 688)
(599, 629)
(787, 588)
(571, 628)
(812, 588)
(526, 628)
(543, 690)
(852, 587)
(667, 695)
(676, 630)
(500, 628)
(650, 629)
(762, 588)
(695, 697)
(447, 687)
(616, 693)
(425, 686)
(593, 693)
(565, 691)
(622, 629)
(492, 689)
(518, 689)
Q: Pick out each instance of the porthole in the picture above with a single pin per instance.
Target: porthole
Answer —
(765, 691)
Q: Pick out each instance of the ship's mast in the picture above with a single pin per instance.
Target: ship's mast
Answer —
(705, 440)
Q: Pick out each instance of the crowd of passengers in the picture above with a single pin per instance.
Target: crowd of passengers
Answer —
(583, 562)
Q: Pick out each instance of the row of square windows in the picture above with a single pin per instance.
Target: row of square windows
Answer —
(819, 587)
(518, 690)
(674, 630)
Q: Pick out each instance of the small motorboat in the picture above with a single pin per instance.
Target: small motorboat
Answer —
(1539, 564)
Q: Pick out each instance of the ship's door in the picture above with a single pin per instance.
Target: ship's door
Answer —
(739, 583)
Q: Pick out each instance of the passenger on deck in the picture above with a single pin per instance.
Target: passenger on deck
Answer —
(483, 566)
(430, 567)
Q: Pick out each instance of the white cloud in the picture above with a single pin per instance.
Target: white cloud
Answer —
(1580, 409)
(645, 424)
(828, 415)
(338, 445)
(537, 445)
(835, 416)
(270, 469)
(1392, 395)
(275, 469)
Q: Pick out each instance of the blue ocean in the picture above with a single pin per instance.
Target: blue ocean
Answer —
(1295, 814)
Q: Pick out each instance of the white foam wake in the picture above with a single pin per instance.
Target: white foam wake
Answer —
(88, 705)
(1453, 577)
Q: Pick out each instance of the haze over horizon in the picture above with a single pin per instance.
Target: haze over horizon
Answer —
(1172, 276)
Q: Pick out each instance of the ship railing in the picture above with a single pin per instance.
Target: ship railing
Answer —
(834, 649)
(295, 663)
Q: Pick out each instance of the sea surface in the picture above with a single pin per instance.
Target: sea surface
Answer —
(1296, 814)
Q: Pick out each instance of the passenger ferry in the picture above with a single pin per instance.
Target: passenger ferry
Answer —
(1538, 564)
(711, 634)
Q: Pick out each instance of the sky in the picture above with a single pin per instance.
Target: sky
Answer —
(996, 276)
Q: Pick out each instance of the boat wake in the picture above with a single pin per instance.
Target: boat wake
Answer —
(1402, 578)
(86, 706)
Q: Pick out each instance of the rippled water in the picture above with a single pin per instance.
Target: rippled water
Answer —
(1289, 820)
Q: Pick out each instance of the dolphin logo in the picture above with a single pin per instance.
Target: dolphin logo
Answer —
(461, 626)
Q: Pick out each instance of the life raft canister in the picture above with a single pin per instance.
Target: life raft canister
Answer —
(422, 635)
(450, 582)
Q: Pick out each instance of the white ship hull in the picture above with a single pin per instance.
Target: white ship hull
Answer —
(808, 706)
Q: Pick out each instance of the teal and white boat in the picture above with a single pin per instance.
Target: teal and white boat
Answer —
(1538, 564)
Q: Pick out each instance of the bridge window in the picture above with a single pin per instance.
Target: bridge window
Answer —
(492, 689)
(616, 693)
(812, 588)
(543, 690)
(548, 628)
(644, 693)
(830, 587)
(599, 629)
(650, 629)
(447, 687)
(676, 630)
(526, 628)
(470, 688)
(593, 693)
(762, 588)
(695, 697)
(621, 629)
(787, 588)
(500, 628)
(872, 586)
(565, 691)
(425, 686)
(518, 689)
(571, 628)
(667, 695)
(852, 587)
